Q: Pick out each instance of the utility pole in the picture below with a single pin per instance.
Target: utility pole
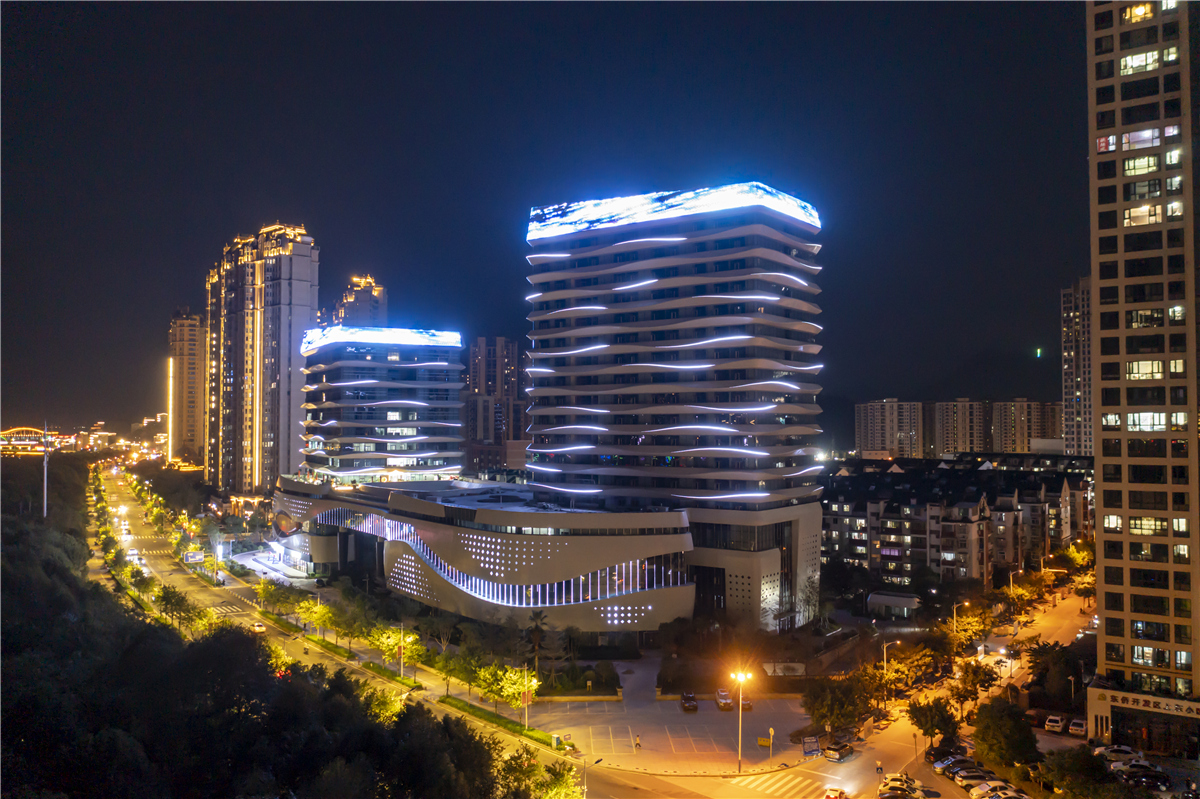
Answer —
(45, 470)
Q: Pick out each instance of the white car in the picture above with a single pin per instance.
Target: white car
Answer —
(724, 700)
(1007, 793)
(133, 553)
(1118, 752)
(984, 788)
(902, 787)
(1078, 727)
(902, 777)
(969, 779)
(1133, 764)
(1055, 724)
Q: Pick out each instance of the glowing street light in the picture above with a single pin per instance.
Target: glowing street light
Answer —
(741, 678)
(954, 610)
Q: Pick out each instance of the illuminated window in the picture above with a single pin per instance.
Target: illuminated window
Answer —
(1131, 15)
(1170, 55)
(1144, 370)
(1142, 165)
(1106, 144)
(1175, 184)
(1177, 315)
(1142, 62)
(1112, 524)
(1110, 421)
(1139, 139)
(1178, 369)
(1180, 527)
(1168, 6)
(1175, 208)
(393, 416)
(1146, 422)
(1174, 157)
(1179, 421)
(1147, 525)
(1145, 215)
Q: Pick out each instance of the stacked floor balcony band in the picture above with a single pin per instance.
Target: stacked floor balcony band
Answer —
(674, 350)
(382, 404)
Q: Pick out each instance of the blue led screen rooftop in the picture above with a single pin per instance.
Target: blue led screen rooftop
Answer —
(320, 336)
(559, 220)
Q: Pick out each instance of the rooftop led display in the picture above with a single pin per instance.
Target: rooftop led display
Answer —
(319, 337)
(558, 220)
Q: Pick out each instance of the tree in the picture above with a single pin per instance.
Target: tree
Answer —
(834, 704)
(1085, 586)
(216, 537)
(555, 647)
(143, 582)
(537, 631)
(933, 718)
(1003, 736)
(491, 680)
(173, 603)
(1076, 772)
(440, 628)
(318, 615)
(268, 592)
(974, 677)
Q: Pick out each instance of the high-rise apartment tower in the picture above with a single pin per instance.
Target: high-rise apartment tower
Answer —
(187, 385)
(1077, 368)
(364, 304)
(891, 426)
(262, 296)
(673, 363)
(1142, 102)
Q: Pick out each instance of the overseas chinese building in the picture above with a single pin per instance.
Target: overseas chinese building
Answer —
(1142, 99)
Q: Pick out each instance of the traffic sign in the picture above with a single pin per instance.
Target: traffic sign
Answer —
(764, 741)
(193, 557)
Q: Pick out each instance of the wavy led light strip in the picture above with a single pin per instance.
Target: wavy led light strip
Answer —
(809, 470)
(539, 369)
(671, 366)
(758, 409)
(548, 255)
(643, 241)
(755, 495)
(782, 274)
(718, 428)
(576, 427)
(754, 452)
(635, 285)
(792, 386)
(569, 490)
(765, 297)
(592, 348)
(564, 449)
(537, 468)
(578, 308)
(578, 408)
(534, 296)
(702, 343)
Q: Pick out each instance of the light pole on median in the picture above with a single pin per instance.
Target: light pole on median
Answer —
(585, 768)
(888, 689)
(741, 678)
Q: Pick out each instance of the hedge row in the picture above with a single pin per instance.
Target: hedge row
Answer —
(484, 714)
(390, 674)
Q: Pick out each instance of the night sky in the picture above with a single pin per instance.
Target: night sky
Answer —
(943, 145)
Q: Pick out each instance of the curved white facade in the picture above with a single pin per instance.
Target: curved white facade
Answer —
(488, 553)
(381, 404)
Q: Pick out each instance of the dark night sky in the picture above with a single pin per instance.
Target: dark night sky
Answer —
(943, 145)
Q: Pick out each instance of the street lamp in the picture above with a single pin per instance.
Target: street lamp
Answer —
(1010, 576)
(954, 610)
(741, 678)
(585, 768)
(888, 691)
(1072, 679)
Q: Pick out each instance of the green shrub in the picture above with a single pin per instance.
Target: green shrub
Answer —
(280, 621)
(607, 674)
(496, 719)
(384, 671)
(330, 647)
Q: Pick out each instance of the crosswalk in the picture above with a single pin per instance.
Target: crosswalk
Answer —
(786, 784)
(154, 551)
(223, 609)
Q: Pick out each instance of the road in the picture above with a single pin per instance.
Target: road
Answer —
(678, 748)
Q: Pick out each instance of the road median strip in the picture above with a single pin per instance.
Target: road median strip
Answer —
(280, 622)
(495, 719)
(334, 648)
(389, 674)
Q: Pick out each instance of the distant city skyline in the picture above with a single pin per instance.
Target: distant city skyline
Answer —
(426, 179)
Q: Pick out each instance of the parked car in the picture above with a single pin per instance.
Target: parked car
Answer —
(955, 760)
(1118, 752)
(837, 752)
(902, 787)
(984, 788)
(1154, 780)
(954, 771)
(747, 703)
(687, 700)
(1055, 724)
(724, 700)
(1078, 727)
(902, 777)
(935, 753)
(1007, 793)
(970, 778)
(1137, 764)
